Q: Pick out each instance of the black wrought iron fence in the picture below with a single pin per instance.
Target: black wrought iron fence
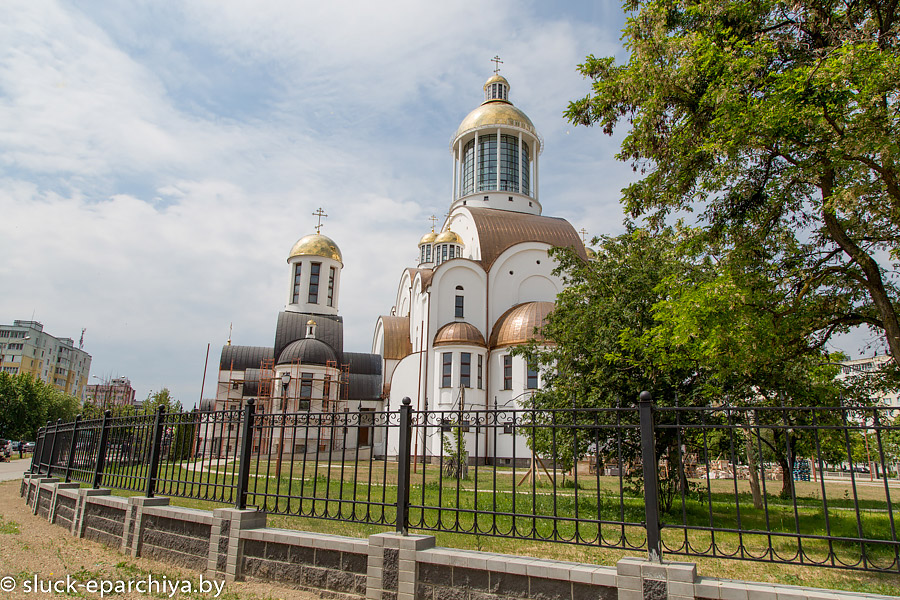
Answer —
(814, 486)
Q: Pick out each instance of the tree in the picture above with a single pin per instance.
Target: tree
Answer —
(606, 304)
(27, 403)
(778, 123)
(162, 398)
(664, 314)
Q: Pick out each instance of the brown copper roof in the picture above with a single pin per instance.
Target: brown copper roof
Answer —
(517, 325)
(458, 333)
(396, 337)
(502, 229)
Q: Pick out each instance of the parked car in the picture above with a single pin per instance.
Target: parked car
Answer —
(29, 446)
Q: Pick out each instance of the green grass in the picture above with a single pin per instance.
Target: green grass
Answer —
(338, 497)
(8, 527)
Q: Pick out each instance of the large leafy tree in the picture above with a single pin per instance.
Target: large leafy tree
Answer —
(27, 403)
(777, 123)
(659, 312)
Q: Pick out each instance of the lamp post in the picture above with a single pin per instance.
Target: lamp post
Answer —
(285, 382)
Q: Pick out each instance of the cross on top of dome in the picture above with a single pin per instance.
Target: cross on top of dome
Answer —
(319, 214)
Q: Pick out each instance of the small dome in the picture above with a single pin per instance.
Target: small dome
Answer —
(448, 237)
(590, 253)
(308, 351)
(516, 326)
(428, 238)
(310, 322)
(459, 333)
(316, 244)
(497, 78)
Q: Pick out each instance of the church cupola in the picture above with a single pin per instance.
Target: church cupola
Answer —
(447, 245)
(316, 264)
(495, 154)
(426, 246)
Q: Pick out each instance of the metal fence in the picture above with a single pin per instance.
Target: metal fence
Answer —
(798, 485)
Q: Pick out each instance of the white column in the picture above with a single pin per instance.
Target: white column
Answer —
(337, 287)
(459, 169)
(534, 169)
(453, 194)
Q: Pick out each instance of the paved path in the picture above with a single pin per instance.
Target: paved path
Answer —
(13, 470)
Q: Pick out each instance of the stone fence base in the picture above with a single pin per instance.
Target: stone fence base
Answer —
(232, 544)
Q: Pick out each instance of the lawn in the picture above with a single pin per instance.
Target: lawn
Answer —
(595, 521)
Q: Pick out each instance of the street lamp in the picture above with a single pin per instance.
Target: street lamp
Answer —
(285, 382)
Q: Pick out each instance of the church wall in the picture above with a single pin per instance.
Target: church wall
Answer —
(453, 274)
(461, 223)
(445, 397)
(404, 293)
(522, 273)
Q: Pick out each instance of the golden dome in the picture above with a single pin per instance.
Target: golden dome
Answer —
(590, 253)
(517, 325)
(428, 238)
(448, 237)
(316, 244)
(495, 112)
(459, 333)
(310, 322)
(496, 78)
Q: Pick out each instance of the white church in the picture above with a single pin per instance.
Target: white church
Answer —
(483, 284)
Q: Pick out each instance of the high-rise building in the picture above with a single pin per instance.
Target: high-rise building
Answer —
(26, 348)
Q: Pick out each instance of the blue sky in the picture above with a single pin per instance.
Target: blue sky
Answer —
(159, 160)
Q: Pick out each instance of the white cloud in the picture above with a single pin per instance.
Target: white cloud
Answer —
(157, 162)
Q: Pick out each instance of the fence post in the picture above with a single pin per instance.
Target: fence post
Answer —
(44, 448)
(246, 451)
(101, 450)
(53, 447)
(155, 450)
(71, 458)
(651, 476)
(403, 460)
(38, 450)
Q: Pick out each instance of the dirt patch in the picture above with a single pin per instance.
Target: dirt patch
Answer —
(31, 547)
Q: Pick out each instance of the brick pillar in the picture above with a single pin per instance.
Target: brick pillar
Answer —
(218, 543)
(23, 487)
(132, 531)
(639, 579)
(238, 521)
(51, 516)
(37, 492)
(392, 572)
(78, 518)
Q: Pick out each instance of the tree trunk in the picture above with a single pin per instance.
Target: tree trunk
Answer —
(787, 478)
(871, 273)
(754, 470)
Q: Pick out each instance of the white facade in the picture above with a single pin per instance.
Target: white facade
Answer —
(484, 282)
